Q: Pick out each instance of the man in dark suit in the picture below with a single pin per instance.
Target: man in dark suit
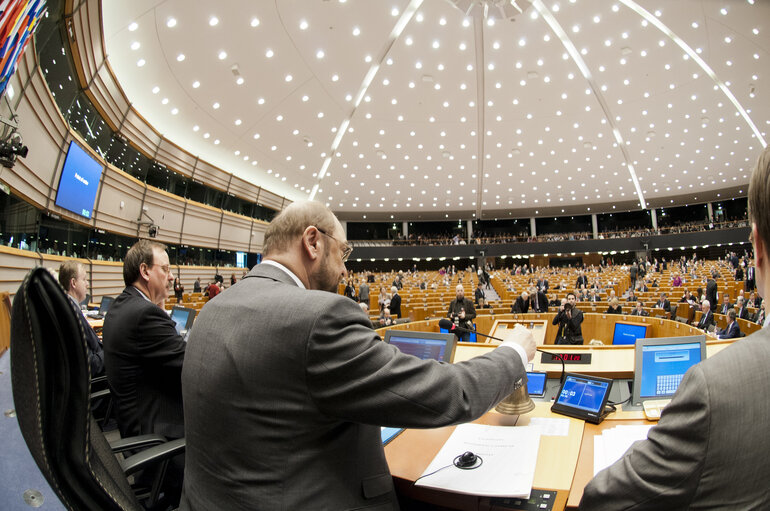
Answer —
(633, 273)
(72, 277)
(143, 353)
(582, 281)
(639, 310)
(286, 386)
(542, 284)
(711, 289)
(479, 293)
(663, 303)
(538, 300)
(726, 305)
(395, 302)
(732, 330)
(751, 281)
(462, 313)
(521, 305)
(704, 453)
(707, 319)
(631, 295)
(740, 310)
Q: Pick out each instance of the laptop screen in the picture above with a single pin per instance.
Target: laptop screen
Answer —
(105, 304)
(423, 345)
(182, 317)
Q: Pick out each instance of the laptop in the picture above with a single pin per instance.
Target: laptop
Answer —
(424, 345)
(183, 318)
(659, 366)
(104, 306)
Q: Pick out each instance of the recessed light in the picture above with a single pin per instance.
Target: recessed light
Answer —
(222, 55)
(180, 57)
(135, 45)
(254, 22)
(141, 62)
(303, 25)
(213, 21)
(171, 22)
(132, 27)
(269, 53)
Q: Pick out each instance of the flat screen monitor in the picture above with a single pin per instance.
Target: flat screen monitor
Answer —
(240, 259)
(536, 383)
(183, 318)
(628, 333)
(424, 345)
(78, 182)
(660, 364)
(584, 397)
(104, 305)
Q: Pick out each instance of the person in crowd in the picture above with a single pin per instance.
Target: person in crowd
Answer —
(732, 330)
(740, 309)
(707, 319)
(726, 305)
(462, 313)
(631, 296)
(363, 291)
(232, 279)
(213, 289)
(521, 304)
(143, 354)
(74, 280)
(663, 303)
(538, 300)
(395, 302)
(754, 300)
(479, 293)
(676, 281)
(385, 318)
(614, 307)
(197, 285)
(350, 290)
(483, 304)
(308, 383)
(712, 289)
(569, 318)
(178, 290)
(639, 310)
(704, 453)
(760, 316)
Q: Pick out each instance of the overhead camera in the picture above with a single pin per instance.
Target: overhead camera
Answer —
(153, 231)
(12, 147)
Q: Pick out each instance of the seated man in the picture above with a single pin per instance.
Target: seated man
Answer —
(663, 303)
(631, 296)
(72, 277)
(732, 330)
(726, 306)
(385, 318)
(143, 353)
(740, 310)
(483, 304)
(521, 305)
(639, 310)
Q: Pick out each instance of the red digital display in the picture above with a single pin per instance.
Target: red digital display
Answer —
(569, 358)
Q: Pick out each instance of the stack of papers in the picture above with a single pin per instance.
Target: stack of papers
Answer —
(507, 468)
(613, 443)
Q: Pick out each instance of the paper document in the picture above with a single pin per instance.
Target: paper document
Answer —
(507, 469)
(550, 426)
(613, 443)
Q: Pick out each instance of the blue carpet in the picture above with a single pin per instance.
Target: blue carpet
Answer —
(18, 471)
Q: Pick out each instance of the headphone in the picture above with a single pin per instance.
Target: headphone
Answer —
(467, 461)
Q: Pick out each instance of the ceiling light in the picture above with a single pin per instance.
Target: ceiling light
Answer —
(215, 106)
(319, 54)
(213, 21)
(180, 57)
(288, 78)
(356, 31)
(222, 55)
(196, 84)
(141, 62)
(269, 53)
(132, 27)
(254, 22)
(303, 25)
(155, 89)
(135, 45)
(261, 101)
(171, 22)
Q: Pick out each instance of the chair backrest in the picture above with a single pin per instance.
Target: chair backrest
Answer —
(50, 377)
(5, 321)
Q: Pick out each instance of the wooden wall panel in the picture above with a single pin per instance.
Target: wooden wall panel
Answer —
(235, 233)
(175, 158)
(201, 225)
(120, 202)
(166, 210)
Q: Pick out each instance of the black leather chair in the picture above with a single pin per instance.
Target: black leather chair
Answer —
(51, 383)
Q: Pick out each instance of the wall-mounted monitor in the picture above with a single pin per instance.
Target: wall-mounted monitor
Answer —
(240, 259)
(78, 182)
(628, 333)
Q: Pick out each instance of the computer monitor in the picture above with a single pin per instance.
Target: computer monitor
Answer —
(183, 317)
(424, 345)
(660, 364)
(536, 383)
(628, 333)
(104, 305)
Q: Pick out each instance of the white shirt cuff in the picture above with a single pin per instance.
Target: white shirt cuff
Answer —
(520, 350)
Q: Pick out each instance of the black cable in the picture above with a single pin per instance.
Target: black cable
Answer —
(456, 463)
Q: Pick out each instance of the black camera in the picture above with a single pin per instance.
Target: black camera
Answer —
(12, 147)
(567, 306)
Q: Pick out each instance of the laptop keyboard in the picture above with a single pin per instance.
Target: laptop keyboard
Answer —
(667, 384)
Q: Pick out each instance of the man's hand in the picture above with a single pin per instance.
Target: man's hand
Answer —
(462, 314)
(523, 337)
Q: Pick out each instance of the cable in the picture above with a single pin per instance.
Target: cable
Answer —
(461, 461)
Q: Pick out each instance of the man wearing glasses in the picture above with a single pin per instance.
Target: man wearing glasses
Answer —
(143, 353)
(286, 385)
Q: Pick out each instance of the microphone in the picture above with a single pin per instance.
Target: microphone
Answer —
(448, 325)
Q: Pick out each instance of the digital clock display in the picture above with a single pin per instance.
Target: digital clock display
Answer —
(569, 358)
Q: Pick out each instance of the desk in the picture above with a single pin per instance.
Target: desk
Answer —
(412, 451)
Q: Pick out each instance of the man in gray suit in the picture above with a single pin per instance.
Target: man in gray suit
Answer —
(285, 384)
(710, 448)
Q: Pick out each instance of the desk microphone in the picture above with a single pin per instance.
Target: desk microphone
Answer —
(448, 325)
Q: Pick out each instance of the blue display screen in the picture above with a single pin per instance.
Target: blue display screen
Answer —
(628, 334)
(240, 259)
(472, 337)
(389, 434)
(78, 182)
(422, 348)
(180, 317)
(536, 383)
(664, 366)
(583, 393)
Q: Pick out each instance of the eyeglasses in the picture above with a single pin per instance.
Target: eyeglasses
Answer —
(166, 268)
(347, 248)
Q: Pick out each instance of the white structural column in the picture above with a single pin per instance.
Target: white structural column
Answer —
(532, 228)
(405, 229)
(711, 212)
(595, 226)
(470, 230)
(654, 216)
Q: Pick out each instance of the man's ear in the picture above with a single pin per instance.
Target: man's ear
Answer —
(759, 247)
(310, 242)
(144, 272)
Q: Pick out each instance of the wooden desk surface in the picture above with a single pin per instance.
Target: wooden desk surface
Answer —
(411, 452)
(584, 471)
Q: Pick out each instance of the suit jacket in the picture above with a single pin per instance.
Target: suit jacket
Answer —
(479, 293)
(665, 305)
(143, 356)
(711, 291)
(95, 352)
(706, 320)
(570, 328)
(725, 307)
(704, 452)
(636, 312)
(285, 391)
(395, 305)
(743, 313)
(521, 305)
(542, 302)
(731, 332)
